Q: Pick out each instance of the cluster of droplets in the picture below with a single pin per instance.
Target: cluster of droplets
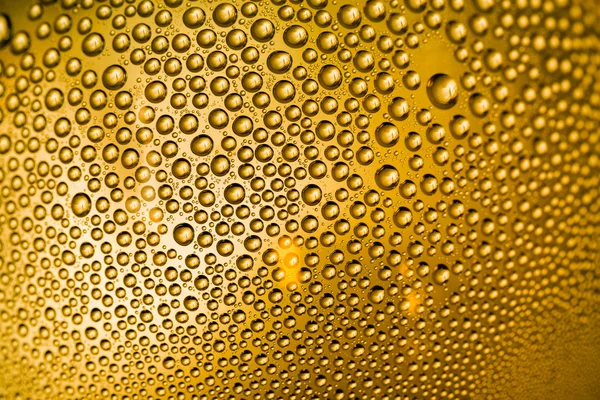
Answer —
(296, 199)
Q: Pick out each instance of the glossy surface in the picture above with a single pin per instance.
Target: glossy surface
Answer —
(299, 199)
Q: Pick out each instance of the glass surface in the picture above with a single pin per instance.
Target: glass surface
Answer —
(295, 199)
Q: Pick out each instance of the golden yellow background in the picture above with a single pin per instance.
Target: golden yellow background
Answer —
(489, 290)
